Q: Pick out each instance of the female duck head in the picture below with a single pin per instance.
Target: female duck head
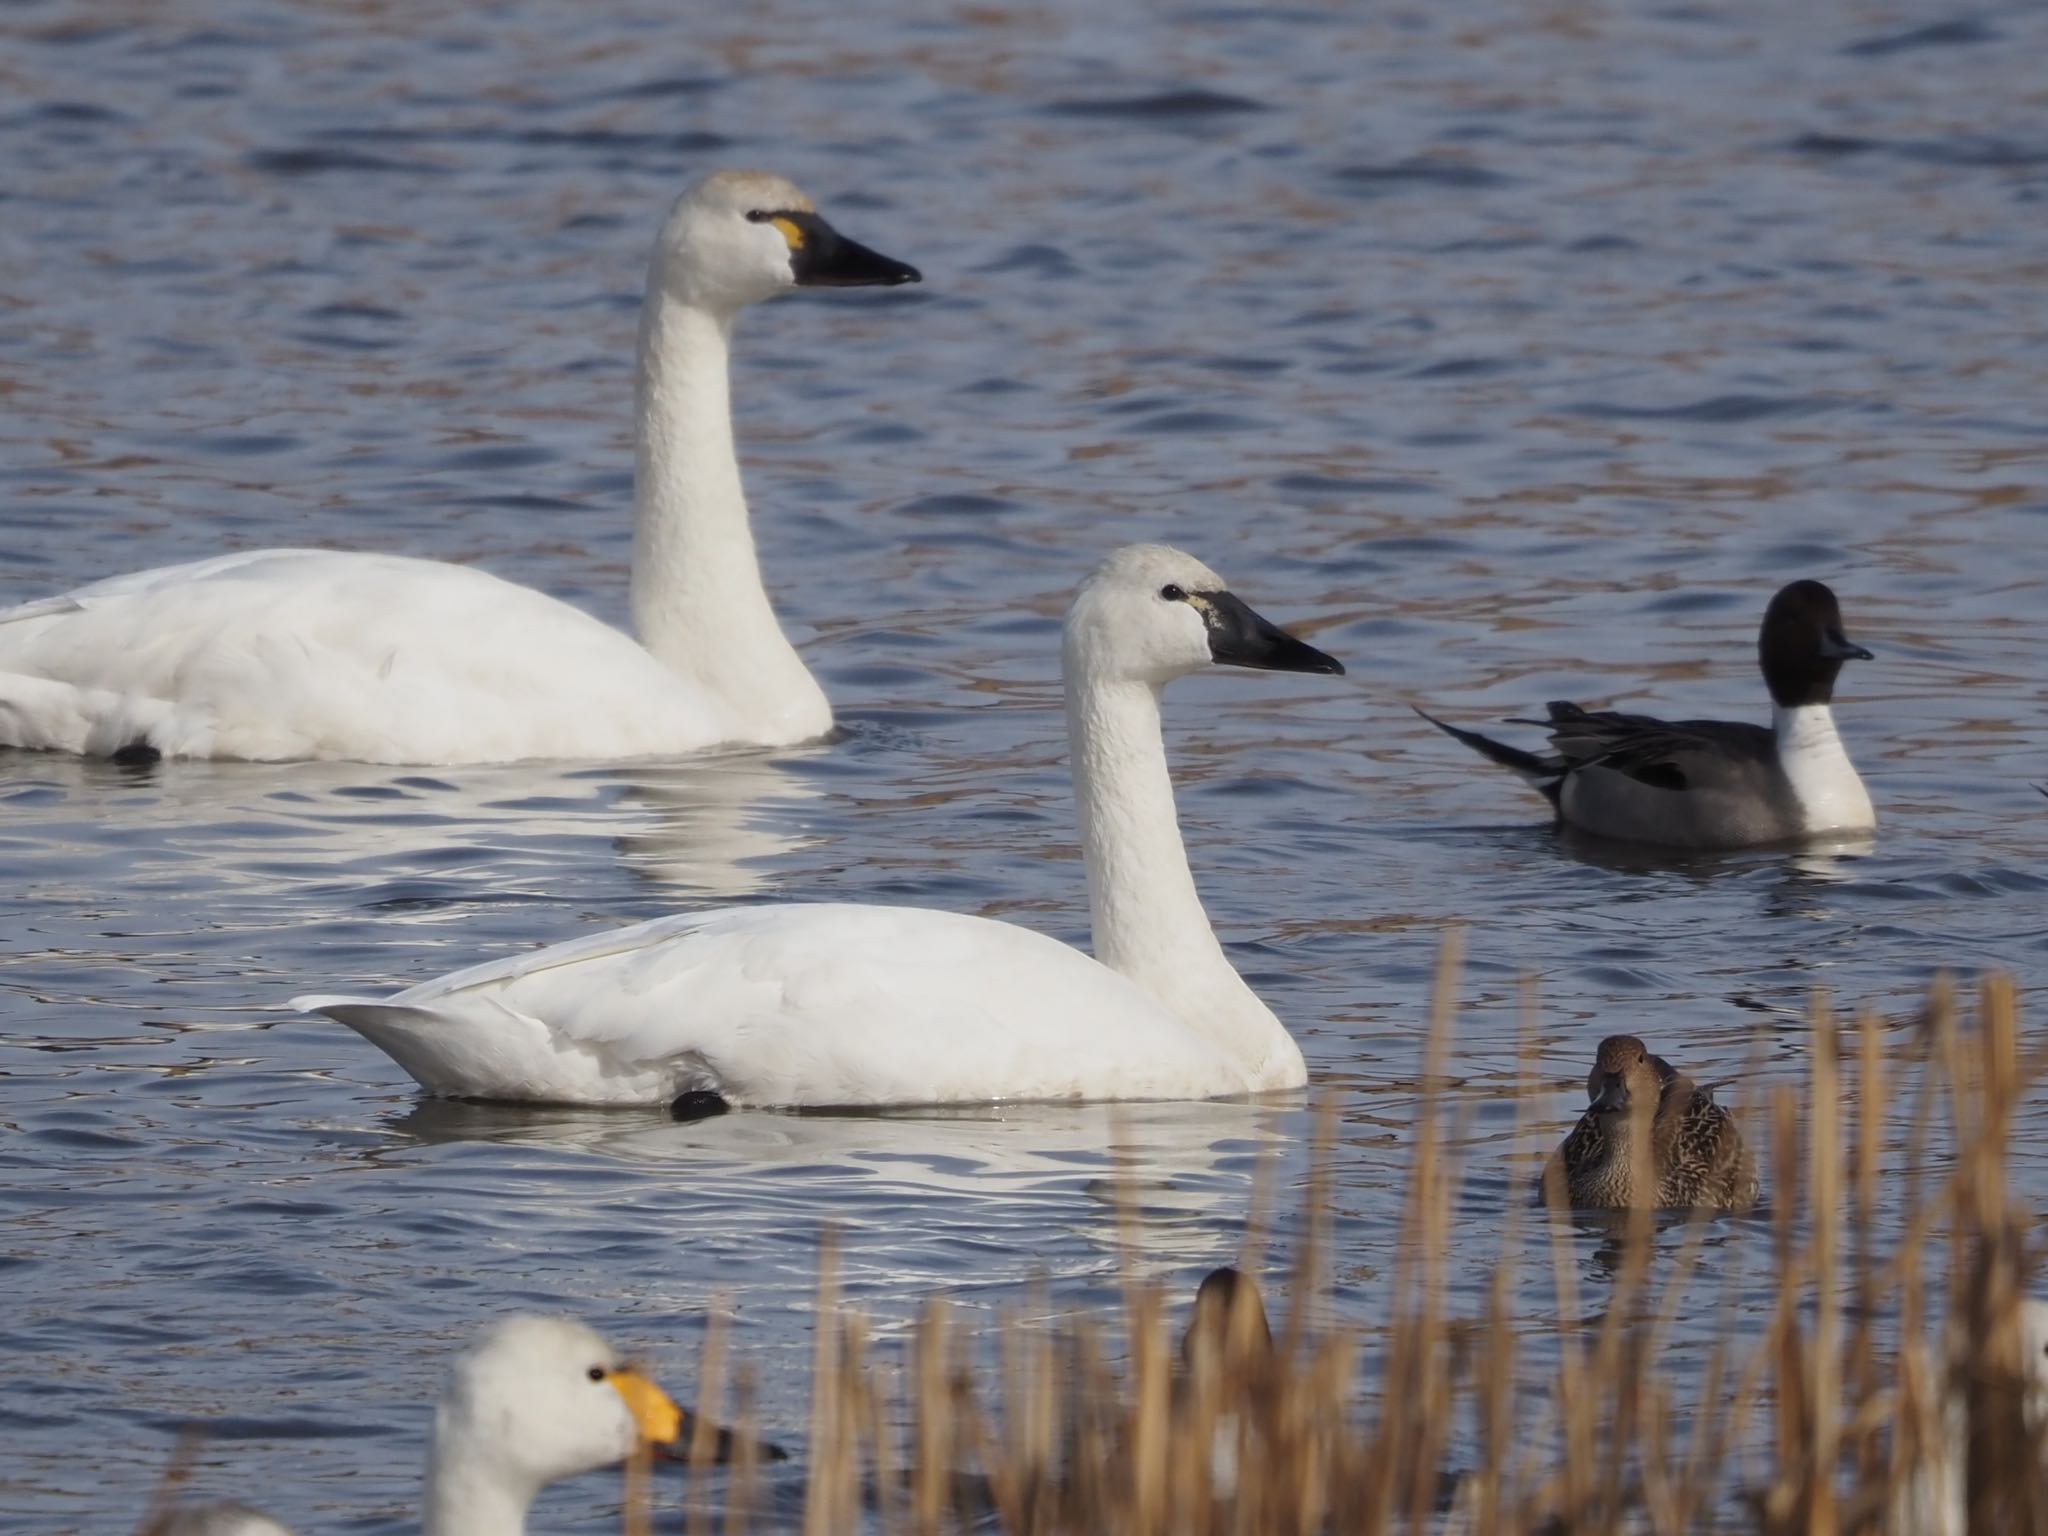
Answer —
(1624, 1073)
(1801, 646)
(536, 1400)
(1151, 614)
(738, 237)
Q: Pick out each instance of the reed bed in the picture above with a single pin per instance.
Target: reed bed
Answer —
(1885, 1391)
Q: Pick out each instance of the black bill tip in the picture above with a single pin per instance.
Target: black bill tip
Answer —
(821, 257)
(1239, 637)
(1836, 646)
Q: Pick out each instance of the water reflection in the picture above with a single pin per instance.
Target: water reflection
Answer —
(1501, 356)
(715, 827)
(1181, 1173)
(709, 828)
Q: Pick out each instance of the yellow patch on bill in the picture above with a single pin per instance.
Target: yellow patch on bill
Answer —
(792, 231)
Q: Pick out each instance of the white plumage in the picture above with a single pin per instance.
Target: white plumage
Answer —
(305, 653)
(845, 1005)
(796, 1005)
(294, 653)
(533, 1401)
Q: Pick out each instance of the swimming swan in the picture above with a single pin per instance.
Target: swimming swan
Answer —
(846, 1005)
(535, 1400)
(283, 654)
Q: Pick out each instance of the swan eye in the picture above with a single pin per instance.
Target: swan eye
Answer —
(1172, 593)
(758, 215)
(595, 1373)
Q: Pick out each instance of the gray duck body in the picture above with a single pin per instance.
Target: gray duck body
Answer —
(1703, 784)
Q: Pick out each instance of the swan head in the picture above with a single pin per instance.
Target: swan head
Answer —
(538, 1399)
(1151, 613)
(738, 237)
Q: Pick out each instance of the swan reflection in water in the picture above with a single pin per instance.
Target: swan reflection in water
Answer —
(1190, 1169)
(707, 827)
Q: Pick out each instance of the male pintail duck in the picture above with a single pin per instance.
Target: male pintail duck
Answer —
(1695, 1153)
(1712, 783)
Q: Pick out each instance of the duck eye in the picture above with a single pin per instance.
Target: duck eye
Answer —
(1172, 593)
(595, 1373)
(758, 215)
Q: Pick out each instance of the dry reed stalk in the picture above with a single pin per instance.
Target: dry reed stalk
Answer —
(743, 1489)
(932, 1429)
(831, 1498)
(1249, 1441)
(702, 1451)
(176, 1473)
(634, 1510)
(1824, 1209)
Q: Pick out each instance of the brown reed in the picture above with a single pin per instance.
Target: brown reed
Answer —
(1834, 1418)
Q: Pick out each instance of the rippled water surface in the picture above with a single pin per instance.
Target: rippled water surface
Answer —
(1514, 354)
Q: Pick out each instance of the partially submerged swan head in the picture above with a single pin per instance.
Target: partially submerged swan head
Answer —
(538, 1399)
(1624, 1074)
(738, 237)
(1151, 613)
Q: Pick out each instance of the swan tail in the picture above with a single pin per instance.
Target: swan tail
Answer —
(42, 714)
(365, 1015)
(1546, 773)
(432, 1048)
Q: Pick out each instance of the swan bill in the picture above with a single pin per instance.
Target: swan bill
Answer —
(1240, 637)
(821, 257)
(660, 1420)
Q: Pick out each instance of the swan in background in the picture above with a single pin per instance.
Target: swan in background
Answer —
(284, 654)
(1930, 1480)
(536, 1400)
(846, 1005)
(1712, 783)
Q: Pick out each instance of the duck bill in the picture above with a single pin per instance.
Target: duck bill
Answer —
(1836, 646)
(1239, 637)
(821, 257)
(1612, 1097)
(660, 1420)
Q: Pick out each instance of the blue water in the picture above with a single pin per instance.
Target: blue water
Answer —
(1514, 359)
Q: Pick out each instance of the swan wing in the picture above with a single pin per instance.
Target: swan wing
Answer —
(295, 653)
(824, 1006)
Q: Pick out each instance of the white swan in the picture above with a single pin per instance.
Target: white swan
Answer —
(296, 653)
(1931, 1489)
(537, 1399)
(848, 1005)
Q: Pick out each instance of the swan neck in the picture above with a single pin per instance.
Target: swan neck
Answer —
(698, 603)
(467, 1496)
(1148, 920)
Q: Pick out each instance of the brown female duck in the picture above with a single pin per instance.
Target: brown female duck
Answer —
(1692, 1157)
